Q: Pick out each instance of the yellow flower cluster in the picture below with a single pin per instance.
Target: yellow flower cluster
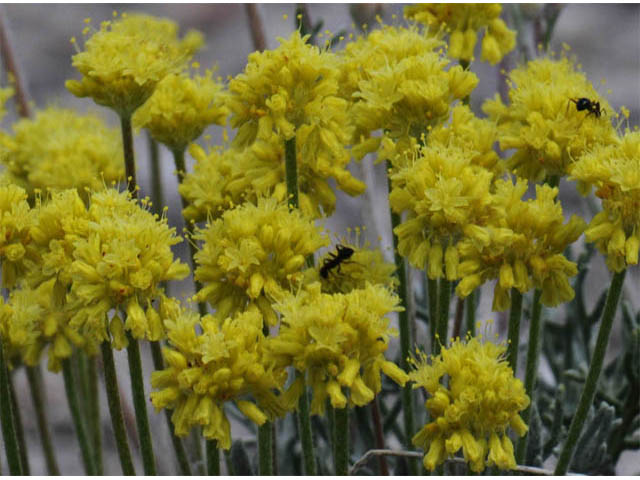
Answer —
(473, 399)
(120, 265)
(447, 197)
(225, 362)
(463, 22)
(542, 124)
(124, 60)
(614, 171)
(404, 96)
(252, 254)
(61, 149)
(181, 108)
(339, 341)
(16, 219)
(522, 247)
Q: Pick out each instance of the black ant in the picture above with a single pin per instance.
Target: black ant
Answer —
(590, 106)
(335, 260)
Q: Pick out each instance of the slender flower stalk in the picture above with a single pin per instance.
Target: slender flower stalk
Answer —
(588, 393)
(115, 409)
(129, 159)
(265, 450)
(444, 299)
(432, 289)
(213, 458)
(405, 340)
(93, 412)
(140, 405)
(342, 441)
(17, 423)
(6, 416)
(157, 196)
(514, 329)
(178, 444)
(535, 328)
(78, 420)
(34, 377)
(470, 313)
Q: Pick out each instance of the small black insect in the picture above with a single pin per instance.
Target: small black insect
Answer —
(335, 260)
(590, 106)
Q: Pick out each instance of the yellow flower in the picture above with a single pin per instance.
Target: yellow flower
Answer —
(252, 254)
(123, 61)
(542, 124)
(292, 92)
(120, 265)
(16, 248)
(33, 321)
(404, 96)
(5, 94)
(614, 171)
(522, 247)
(446, 197)
(61, 149)
(338, 341)
(181, 108)
(472, 408)
(464, 21)
(225, 362)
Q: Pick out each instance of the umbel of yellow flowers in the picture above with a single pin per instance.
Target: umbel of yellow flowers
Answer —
(224, 363)
(338, 341)
(473, 409)
(614, 171)
(124, 60)
(60, 149)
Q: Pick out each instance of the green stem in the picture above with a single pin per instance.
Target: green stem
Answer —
(514, 329)
(140, 405)
(291, 172)
(213, 458)
(342, 441)
(34, 377)
(178, 445)
(405, 335)
(6, 417)
(586, 398)
(115, 409)
(157, 196)
(470, 313)
(129, 160)
(432, 286)
(444, 298)
(95, 425)
(264, 450)
(306, 437)
(533, 353)
(178, 158)
(19, 426)
(74, 406)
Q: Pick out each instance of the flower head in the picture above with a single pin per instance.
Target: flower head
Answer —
(447, 197)
(16, 248)
(124, 60)
(464, 22)
(181, 108)
(61, 149)
(522, 247)
(252, 255)
(404, 96)
(473, 410)
(542, 124)
(224, 363)
(614, 171)
(338, 341)
(120, 265)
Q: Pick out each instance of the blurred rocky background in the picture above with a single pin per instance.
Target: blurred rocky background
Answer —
(604, 38)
